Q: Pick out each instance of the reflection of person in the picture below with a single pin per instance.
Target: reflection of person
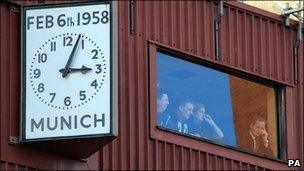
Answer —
(256, 139)
(202, 125)
(162, 102)
(179, 121)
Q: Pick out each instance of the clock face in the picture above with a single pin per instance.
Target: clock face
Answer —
(66, 66)
(86, 73)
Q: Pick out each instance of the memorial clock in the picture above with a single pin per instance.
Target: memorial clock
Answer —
(66, 71)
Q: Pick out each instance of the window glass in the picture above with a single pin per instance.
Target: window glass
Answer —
(208, 104)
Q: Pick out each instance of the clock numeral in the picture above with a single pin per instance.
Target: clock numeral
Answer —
(67, 101)
(99, 68)
(53, 97)
(94, 84)
(95, 54)
(82, 44)
(53, 46)
(67, 41)
(95, 16)
(86, 16)
(105, 17)
(82, 95)
(40, 87)
(37, 73)
(42, 58)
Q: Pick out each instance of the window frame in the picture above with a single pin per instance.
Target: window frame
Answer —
(192, 142)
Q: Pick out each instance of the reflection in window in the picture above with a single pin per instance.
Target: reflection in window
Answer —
(208, 104)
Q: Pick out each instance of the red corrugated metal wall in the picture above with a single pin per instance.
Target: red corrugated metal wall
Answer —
(252, 41)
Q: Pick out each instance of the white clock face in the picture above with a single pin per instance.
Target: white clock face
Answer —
(87, 71)
(66, 84)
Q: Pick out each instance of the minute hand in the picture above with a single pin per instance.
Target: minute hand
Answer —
(68, 64)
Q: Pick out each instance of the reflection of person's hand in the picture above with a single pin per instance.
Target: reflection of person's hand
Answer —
(218, 132)
(264, 136)
(208, 119)
(197, 135)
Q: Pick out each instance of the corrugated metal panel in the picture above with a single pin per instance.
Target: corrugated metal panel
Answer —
(13, 166)
(259, 44)
(36, 2)
(253, 43)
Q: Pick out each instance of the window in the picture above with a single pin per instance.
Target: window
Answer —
(210, 105)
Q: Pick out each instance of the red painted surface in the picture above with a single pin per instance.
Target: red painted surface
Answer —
(252, 41)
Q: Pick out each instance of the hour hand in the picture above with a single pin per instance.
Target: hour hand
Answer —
(83, 69)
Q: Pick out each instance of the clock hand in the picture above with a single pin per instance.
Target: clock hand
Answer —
(68, 64)
(83, 69)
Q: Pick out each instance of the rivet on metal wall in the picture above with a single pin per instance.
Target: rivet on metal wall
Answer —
(15, 8)
(13, 140)
(41, 2)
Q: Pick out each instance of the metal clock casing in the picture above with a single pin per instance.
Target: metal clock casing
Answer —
(66, 71)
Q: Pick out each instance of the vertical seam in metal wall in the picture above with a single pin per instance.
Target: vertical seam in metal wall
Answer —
(1, 3)
(192, 159)
(136, 80)
(245, 38)
(254, 47)
(138, 57)
(301, 97)
(194, 38)
(276, 49)
(142, 55)
(238, 39)
(11, 72)
(146, 36)
(130, 111)
(204, 31)
(228, 41)
(186, 26)
(10, 60)
(291, 61)
(302, 85)
(7, 73)
(268, 44)
(155, 37)
(261, 50)
(171, 33)
(121, 92)
(4, 102)
(162, 23)
(284, 54)
(151, 156)
(198, 160)
(224, 164)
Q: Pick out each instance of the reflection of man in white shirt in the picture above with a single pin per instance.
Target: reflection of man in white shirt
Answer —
(162, 102)
(183, 114)
(179, 121)
(259, 136)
